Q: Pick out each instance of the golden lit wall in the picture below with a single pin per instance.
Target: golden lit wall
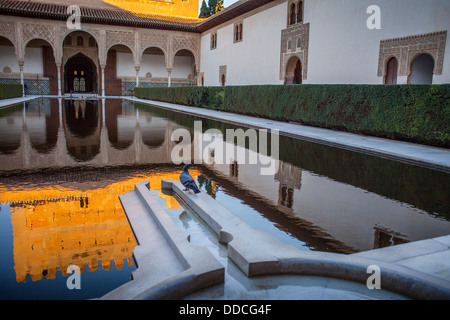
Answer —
(179, 8)
(57, 226)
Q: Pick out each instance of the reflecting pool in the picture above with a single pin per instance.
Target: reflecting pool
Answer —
(63, 164)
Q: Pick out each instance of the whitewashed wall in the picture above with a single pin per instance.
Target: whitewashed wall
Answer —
(33, 60)
(155, 64)
(343, 50)
(255, 60)
(341, 47)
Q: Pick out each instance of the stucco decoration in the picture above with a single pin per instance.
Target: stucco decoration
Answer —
(406, 49)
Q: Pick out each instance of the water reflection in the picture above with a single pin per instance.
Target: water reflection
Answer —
(78, 220)
(330, 199)
(51, 133)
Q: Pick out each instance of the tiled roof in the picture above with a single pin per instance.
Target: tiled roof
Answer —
(125, 18)
(97, 15)
(236, 9)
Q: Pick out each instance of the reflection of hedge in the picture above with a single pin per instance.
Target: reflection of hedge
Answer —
(8, 90)
(421, 187)
(417, 113)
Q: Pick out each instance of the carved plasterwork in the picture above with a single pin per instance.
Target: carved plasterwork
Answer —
(149, 39)
(186, 42)
(38, 31)
(294, 42)
(8, 30)
(114, 37)
(406, 49)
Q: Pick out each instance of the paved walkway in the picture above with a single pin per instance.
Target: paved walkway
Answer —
(431, 157)
(12, 101)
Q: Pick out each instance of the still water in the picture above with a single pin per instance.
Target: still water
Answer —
(63, 164)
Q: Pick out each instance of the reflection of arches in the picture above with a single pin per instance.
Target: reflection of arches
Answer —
(422, 68)
(81, 117)
(82, 129)
(294, 71)
(80, 67)
(392, 69)
(120, 124)
(43, 124)
(153, 132)
(9, 130)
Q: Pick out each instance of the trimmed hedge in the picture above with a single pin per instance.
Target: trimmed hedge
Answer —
(10, 90)
(416, 113)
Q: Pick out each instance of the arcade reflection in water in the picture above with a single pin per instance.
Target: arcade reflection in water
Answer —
(45, 133)
(84, 152)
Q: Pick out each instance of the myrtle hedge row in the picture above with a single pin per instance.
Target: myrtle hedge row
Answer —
(416, 113)
(10, 90)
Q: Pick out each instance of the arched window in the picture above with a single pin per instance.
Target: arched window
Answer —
(76, 84)
(422, 70)
(391, 74)
(300, 12)
(213, 40)
(82, 84)
(80, 41)
(292, 14)
(289, 45)
(68, 41)
(91, 42)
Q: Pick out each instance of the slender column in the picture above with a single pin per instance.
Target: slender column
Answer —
(21, 77)
(137, 75)
(103, 79)
(58, 67)
(169, 71)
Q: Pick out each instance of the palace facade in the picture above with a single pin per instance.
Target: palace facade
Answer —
(122, 44)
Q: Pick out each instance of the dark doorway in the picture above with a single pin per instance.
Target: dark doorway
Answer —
(294, 71)
(298, 73)
(422, 70)
(80, 75)
(392, 67)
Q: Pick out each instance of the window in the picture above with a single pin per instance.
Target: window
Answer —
(68, 41)
(237, 32)
(213, 40)
(295, 12)
(292, 14)
(76, 84)
(91, 42)
(80, 41)
(82, 84)
(300, 12)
